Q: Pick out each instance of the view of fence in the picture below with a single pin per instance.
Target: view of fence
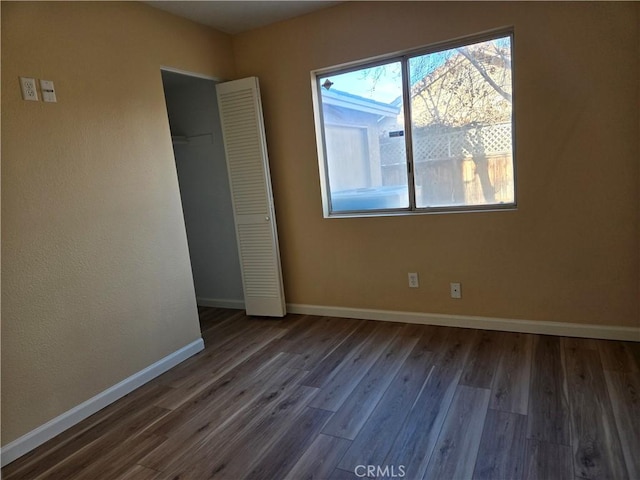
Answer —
(467, 165)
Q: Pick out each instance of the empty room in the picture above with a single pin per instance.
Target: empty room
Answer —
(320, 240)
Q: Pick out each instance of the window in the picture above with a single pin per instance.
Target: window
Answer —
(426, 131)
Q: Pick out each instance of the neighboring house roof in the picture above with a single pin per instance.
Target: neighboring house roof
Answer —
(350, 101)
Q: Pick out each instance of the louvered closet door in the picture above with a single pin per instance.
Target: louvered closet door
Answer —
(248, 165)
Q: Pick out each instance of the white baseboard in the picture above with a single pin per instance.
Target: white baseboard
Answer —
(43, 433)
(484, 323)
(220, 303)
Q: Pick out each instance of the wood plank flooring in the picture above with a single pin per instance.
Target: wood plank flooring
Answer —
(308, 397)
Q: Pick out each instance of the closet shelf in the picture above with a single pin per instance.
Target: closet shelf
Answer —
(201, 139)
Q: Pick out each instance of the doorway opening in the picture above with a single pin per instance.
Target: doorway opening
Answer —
(192, 108)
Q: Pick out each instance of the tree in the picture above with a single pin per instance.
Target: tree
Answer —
(471, 85)
(469, 89)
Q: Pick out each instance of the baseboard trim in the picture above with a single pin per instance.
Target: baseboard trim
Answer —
(43, 433)
(220, 303)
(484, 323)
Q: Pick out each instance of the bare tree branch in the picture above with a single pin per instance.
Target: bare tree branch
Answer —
(485, 75)
(505, 58)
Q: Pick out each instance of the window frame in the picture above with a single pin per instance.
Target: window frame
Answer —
(404, 57)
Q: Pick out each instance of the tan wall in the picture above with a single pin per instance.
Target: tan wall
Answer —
(96, 277)
(570, 251)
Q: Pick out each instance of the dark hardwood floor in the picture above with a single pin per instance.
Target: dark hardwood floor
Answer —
(329, 398)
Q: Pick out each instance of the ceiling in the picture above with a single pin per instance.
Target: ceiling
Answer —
(239, 16)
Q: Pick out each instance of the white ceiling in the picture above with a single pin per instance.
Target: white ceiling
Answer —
(239, 16)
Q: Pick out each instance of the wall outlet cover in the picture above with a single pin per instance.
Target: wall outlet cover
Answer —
(29, 90)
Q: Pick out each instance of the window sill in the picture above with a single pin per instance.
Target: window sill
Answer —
(511, 207)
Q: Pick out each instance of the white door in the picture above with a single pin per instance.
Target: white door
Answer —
(248, 165)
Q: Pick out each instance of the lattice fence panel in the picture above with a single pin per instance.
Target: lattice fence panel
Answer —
(430, 146)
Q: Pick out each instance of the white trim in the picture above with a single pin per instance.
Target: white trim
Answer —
(220, 303)
(606, 332)
(47, 431)
(190, 74)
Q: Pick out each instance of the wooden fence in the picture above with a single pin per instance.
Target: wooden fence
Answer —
(470, 166)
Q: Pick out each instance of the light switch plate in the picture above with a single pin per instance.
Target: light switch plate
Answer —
(48, 91)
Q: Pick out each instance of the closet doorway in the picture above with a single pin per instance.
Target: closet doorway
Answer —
(198, 148)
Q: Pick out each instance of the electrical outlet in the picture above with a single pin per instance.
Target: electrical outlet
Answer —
(29, 91)
(456, 290)
(413, 280)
